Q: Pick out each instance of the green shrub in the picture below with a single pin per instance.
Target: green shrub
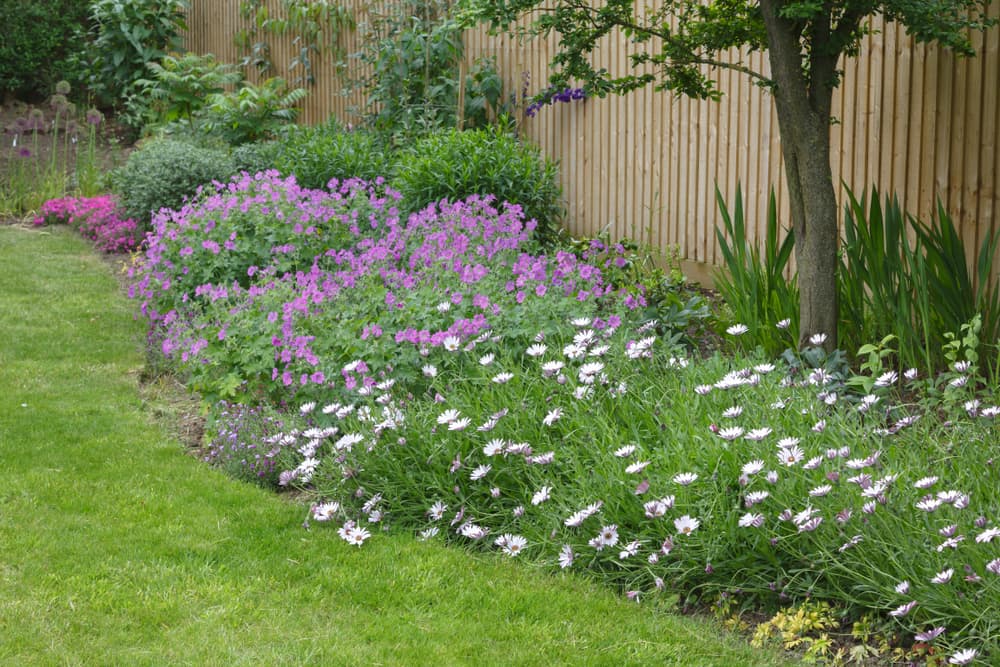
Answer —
(38, 39)
(453, 165)
(318, 154)
(126, 35)
(257, 156)
(251, 113)
(164, 172)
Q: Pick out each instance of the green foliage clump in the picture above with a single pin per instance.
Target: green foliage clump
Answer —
(251, 113)
(38, 38)
(257, 156)
(164, 172)
(316, 155)
(126, 35)
(921, 291)
(181, 86)
(754, 284)
(453, 165)
(415, 85)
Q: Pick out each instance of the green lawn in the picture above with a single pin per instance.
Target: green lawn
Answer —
(118, 548)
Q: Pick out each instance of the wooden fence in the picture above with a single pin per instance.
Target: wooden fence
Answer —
(913, 120)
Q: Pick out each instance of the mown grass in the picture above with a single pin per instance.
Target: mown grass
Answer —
(118, 548)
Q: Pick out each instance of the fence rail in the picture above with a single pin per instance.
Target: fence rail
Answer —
(912, 119)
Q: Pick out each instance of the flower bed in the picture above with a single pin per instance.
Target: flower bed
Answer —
(430, 375)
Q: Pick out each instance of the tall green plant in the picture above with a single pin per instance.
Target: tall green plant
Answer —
(252, 113)
(126, 35)
(879, 279)
(912, 279)
(754, 284)
(182, 85)
(958, 293)
(412, 74)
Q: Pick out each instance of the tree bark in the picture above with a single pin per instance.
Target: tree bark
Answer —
(804, 106)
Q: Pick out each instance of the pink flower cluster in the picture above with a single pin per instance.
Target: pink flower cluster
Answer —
(95, 218)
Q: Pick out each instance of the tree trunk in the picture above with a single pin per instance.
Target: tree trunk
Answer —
(804, 108)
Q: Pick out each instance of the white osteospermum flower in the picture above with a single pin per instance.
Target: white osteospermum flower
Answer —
(480, 472)
(437, 511)
(326, 511)
(472, 531)
(565, 556)
(541, 495)
(428, 533)
(452, 343)
(963, 657)
(486, 359)
(752, 467)
(550, 368)
(459, 424)
(429, 370)
(448, 416)
(502, 378)
(625, 452)
(686, 524)
(943, 577)
(758, 434)
(751, 520)
(817, 339)
(737, 330)
(731, 433)
(536, 350)
(987, 535)
(685, 478)
(636, 467)
(789, 456)
(494, 447)
(552, 417)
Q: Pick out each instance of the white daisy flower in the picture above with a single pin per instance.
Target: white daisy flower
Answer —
(541, 495)
(686, 524)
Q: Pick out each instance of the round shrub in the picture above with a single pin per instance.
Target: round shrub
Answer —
(317, 155)
(163, 173)
(454, 165)
(256, 157)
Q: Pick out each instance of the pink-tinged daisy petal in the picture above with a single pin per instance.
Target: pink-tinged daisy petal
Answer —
(903, 609)
(994, 566)
(987, 535)
(566, 556)
(751, 520)
(929, 635)
(731, 433)
(943, 577)
(636, 467)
